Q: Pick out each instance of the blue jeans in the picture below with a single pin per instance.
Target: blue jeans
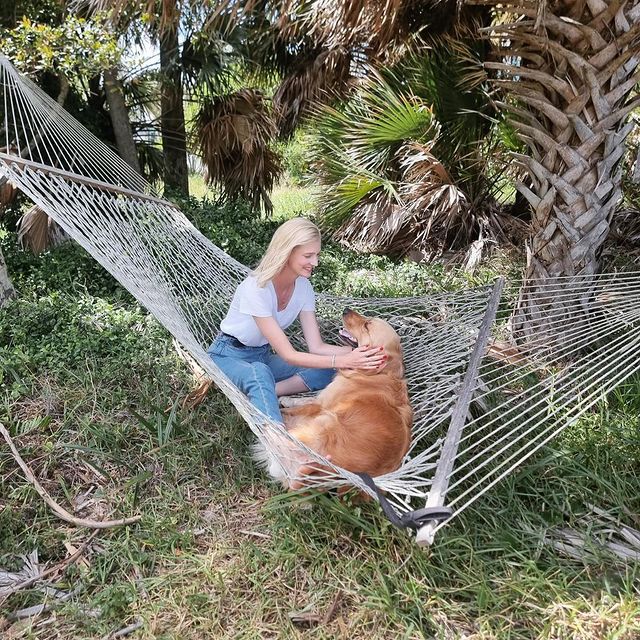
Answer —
(255, 371)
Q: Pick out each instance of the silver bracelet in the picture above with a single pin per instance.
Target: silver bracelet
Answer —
(333, 361)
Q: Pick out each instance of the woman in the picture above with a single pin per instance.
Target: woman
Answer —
(252, 349)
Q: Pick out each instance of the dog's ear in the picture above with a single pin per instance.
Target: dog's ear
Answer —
(394, 366)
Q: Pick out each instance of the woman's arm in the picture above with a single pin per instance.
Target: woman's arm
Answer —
(316, 344)
(361, 358)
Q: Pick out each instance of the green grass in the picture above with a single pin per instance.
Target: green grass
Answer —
(198, 188)
(292, 200)
(288, 199)
(88, 382)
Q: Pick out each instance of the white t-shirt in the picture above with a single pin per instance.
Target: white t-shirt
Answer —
(250, 300)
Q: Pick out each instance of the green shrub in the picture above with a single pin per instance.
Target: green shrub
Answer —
(63, 268)
(60, 331)
(232, 226)
(346, 273)
(296, 157)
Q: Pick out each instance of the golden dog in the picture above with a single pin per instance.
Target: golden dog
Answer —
(362, 420)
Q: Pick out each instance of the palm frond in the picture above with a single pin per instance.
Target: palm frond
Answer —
(437, 208)
(356, 143)
(371, 224)
(151, 160)
(348, 195)
(234, 135)
(371, 126)
(378, 26)
(8, 194)
(321, 79)
(37, 232)
(212, 59)
(389, 117)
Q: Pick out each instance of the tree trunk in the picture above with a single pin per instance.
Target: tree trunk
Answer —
(63, 92)
(120, 119)
(176, 175)
(571, 67)
(6, 288)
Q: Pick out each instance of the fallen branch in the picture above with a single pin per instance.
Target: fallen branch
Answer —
(58, 567)
(38, 609)
(124, 631)
(331, 611)
(62, 513)
(197, 396)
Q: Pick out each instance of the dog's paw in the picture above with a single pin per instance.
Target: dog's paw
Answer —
(287, 402)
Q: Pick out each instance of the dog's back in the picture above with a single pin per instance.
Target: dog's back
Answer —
(363, 423)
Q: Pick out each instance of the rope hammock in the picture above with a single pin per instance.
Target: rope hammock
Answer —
(481, 409)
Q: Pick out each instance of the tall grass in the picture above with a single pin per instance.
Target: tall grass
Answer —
(90, 388)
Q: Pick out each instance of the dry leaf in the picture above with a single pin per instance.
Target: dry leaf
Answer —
(305, 617)
(82, 562)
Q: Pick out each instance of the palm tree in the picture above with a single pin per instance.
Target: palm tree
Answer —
(172, 124)
(163, 20)
(120, 117)
(567, 70)
(234, 134)
(404, 163)
(216, 54)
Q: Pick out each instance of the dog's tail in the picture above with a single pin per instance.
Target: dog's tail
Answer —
(278, 456)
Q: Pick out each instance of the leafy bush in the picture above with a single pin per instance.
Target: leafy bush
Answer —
(296, 158)
(60, 331)
(235, 229)
(346, 273)
(232, 226)
(64, 268)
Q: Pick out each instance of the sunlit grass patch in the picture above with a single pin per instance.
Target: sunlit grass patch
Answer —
(291, 200)
(288, 199)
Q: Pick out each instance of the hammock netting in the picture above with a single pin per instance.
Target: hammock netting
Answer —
(479, 411)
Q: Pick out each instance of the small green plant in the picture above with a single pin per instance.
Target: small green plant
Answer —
(296, 157)
(163, 424)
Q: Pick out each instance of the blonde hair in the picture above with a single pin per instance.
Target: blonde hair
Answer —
(293, 233)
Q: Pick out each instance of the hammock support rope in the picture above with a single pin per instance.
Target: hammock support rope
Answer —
(478, 413)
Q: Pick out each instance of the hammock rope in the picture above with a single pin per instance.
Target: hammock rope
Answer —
(478, 414)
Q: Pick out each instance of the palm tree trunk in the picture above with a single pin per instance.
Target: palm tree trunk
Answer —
(176, 175)
(571, 68)
(120, 119)
(6, 288)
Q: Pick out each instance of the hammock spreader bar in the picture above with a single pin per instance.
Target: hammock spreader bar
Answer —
(459, 416)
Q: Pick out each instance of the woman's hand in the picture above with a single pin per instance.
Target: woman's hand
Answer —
(364, 357)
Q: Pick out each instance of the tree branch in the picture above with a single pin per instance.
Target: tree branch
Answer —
(62, 513)
(58, 567)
